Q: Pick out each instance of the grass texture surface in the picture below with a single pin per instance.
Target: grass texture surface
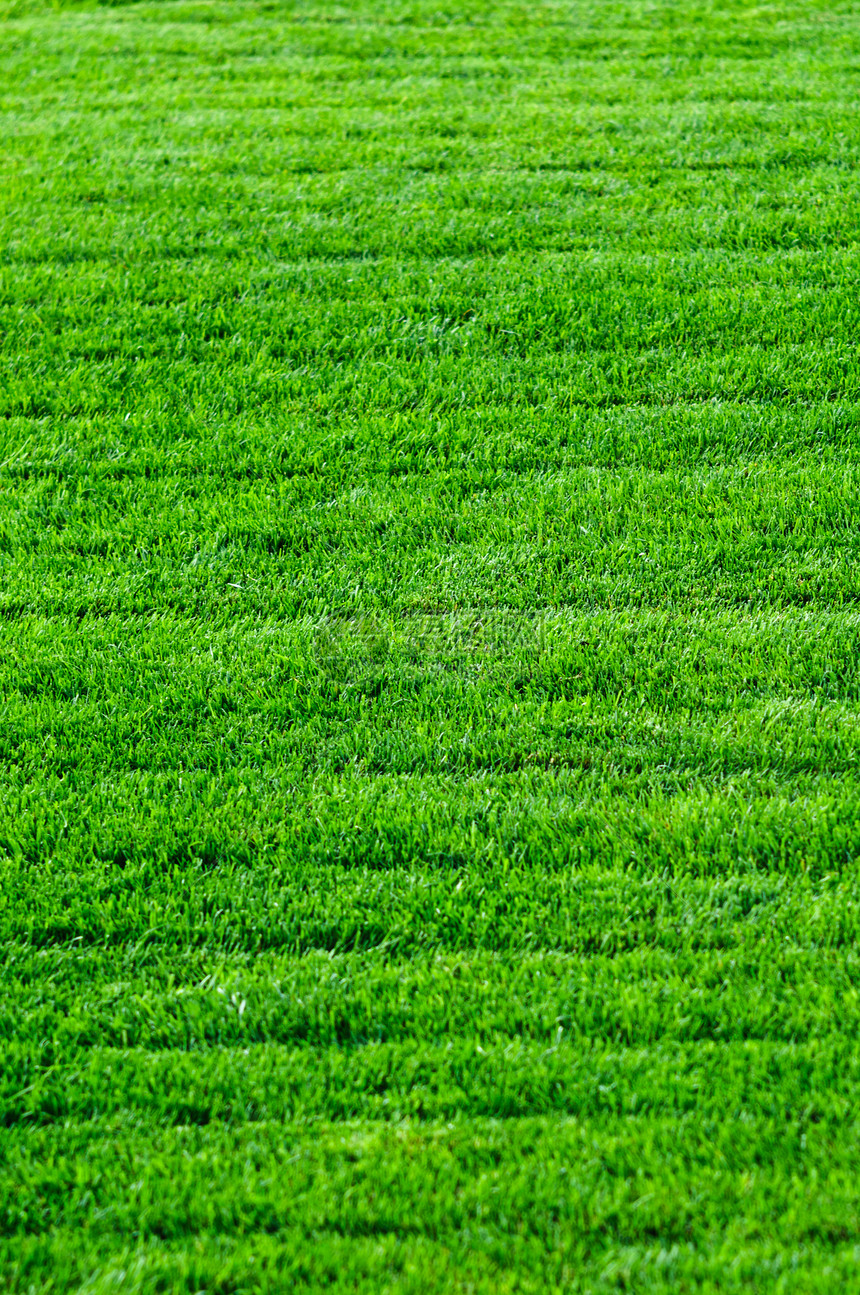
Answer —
(429, 624)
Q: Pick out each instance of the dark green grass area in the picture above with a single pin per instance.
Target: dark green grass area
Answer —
(429, 647)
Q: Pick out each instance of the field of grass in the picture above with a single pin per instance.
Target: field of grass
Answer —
(429, 646)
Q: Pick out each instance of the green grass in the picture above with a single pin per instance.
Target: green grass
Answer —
(429, 647)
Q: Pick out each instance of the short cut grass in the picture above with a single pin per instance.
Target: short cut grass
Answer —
(429, 624)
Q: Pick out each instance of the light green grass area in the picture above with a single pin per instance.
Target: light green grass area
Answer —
(429, 628)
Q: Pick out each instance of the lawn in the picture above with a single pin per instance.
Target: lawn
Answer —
(429, 647)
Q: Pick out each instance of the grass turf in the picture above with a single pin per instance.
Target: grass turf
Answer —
(429, 502)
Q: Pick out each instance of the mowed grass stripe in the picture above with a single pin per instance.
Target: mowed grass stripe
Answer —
(499, 1079)
(498, 442)
(625, 996)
